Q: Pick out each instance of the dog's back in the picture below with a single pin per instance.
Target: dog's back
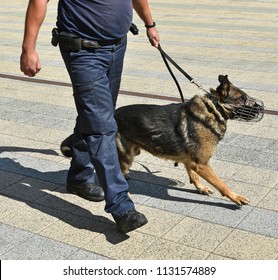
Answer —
(156, 129)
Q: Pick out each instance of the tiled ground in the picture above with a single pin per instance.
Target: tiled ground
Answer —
(39, 220)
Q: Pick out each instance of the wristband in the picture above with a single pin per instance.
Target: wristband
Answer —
(150, 25)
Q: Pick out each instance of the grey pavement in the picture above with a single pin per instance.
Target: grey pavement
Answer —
(40, 220)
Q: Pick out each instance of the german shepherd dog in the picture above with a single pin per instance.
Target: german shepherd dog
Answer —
(186, 133)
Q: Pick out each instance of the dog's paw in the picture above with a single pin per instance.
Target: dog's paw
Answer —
(205, 190)
(239, 199)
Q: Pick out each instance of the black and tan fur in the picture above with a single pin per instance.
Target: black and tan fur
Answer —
(186, 133)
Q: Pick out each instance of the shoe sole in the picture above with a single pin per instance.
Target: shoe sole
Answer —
(134, 226)
(90, 198)
(66, 151)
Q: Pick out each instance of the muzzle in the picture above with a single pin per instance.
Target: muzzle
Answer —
(251, 110)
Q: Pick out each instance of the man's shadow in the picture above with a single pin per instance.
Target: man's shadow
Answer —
(30, 189)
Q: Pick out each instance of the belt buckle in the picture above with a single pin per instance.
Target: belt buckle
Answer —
(90, 44)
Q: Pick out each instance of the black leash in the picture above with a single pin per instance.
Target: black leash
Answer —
(166, 57)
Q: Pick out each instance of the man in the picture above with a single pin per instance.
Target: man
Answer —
(92, 40)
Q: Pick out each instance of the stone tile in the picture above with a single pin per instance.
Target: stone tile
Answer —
(8, 178)
(234, 154)
(252, 142)
(159, 222)
(19, 129)
(20, 116)
(167, 250)
(74, 230)
(43, 121)
(141, 191)
(220, 212)
(94, 210)
(54, 110)
(270, 200)
(27, 147)
(28, 189)
(115, 245)
(39, 248)
(35, 167)
(11, 237)
(257, 175)
(198, 234)
(180, 201)
(224, 169)
(267, 160)
(8, 205)
(32, 217)
(261, 221)
(242, 245)
(61, 200)
(262, 130)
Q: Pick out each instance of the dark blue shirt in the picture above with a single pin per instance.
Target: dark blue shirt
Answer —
(95, 19)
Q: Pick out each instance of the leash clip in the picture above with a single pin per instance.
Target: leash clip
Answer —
(196, 84)
(199, 86)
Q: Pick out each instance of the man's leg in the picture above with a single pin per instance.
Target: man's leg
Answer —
(95, 106)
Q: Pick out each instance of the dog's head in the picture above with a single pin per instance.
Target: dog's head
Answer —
(236, 103)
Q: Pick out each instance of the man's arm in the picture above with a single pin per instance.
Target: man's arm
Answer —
(143, 10)
(35, 14)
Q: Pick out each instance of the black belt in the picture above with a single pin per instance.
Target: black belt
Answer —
(89, 44)
(70, 42)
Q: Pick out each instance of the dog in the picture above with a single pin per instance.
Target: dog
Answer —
(186, 133)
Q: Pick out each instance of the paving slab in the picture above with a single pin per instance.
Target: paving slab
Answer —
(246, 245)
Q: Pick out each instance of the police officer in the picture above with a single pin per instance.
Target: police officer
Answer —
(94, 64)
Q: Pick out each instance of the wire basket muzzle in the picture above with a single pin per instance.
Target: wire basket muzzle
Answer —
(252, 110)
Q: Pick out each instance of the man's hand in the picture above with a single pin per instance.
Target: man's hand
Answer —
(143, 10)
(29, 63)
(153, 36)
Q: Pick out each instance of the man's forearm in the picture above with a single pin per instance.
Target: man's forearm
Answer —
(35, 15)
(143, 10)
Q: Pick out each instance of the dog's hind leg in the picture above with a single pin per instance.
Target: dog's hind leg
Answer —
(126, 153)
(195, 179)
(206, 172)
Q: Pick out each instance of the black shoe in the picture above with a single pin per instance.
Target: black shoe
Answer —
(90, 192)
(66, 146)
(131, 221)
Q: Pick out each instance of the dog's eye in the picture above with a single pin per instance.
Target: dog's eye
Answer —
(242, 99)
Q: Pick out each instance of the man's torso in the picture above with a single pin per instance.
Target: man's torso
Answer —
(95, 19)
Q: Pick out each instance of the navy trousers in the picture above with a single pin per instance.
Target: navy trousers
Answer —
(96, 76)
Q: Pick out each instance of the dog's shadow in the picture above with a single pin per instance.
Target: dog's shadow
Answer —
(149, 184)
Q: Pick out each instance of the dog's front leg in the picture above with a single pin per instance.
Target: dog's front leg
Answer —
(206, 172)
(195, 179)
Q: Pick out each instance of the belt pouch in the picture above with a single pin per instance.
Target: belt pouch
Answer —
(69, 42)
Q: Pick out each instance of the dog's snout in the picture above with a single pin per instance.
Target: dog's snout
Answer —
(251, 110)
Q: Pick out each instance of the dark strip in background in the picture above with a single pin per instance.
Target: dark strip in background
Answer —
(129, 93)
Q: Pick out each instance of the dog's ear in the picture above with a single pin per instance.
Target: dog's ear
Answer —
(223, 79)
(224, 87)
